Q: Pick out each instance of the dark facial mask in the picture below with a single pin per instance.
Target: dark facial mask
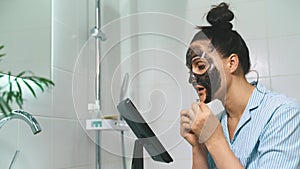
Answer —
(210, 80)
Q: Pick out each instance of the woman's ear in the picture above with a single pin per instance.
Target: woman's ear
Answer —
(233, 63)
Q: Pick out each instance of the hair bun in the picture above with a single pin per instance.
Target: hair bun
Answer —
(220, 16)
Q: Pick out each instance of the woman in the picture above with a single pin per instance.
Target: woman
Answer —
(258, 128)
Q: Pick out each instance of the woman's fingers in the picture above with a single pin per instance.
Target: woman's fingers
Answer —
(188, 113)
(186, 120)
(204, 108)
(196, 108)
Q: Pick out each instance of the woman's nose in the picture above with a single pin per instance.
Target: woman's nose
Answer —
(192, 80)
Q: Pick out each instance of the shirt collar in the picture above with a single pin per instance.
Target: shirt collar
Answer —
(254, 101)
(257, 96)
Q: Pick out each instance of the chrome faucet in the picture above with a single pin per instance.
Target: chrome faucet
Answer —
(22, 115)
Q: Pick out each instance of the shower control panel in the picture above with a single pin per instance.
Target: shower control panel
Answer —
(106, 124)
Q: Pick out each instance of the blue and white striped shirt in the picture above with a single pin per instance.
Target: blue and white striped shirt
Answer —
(268, 133)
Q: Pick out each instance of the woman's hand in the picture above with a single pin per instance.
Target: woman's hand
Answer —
(199, 150)
(186, 119)
(198, 124)
(207, 128)
(205, 122)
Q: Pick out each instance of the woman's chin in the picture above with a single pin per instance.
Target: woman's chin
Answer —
(202, 98)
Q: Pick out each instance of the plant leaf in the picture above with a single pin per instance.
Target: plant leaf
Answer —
(19, 88)
(9, 81)
(4, 106)
(46, 81)
(29, 87)
(21, 74)
(19, 99)
(3, 54)
(7, 96)
(37, 83)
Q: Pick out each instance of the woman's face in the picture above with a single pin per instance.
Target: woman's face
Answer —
(206, 71)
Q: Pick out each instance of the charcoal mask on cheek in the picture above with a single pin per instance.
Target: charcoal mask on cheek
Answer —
(210, 80)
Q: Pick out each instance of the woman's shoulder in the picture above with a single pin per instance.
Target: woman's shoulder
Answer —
(281, 101)
(273, 100)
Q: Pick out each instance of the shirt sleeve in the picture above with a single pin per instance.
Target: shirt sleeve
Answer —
(279, 145)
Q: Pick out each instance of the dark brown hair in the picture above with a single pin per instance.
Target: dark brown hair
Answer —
(225, 40)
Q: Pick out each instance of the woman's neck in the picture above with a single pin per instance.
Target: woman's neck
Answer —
(237, 98)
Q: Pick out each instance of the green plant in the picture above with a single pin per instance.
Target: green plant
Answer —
(11, 87)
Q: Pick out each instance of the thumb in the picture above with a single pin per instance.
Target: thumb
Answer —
(196, 108)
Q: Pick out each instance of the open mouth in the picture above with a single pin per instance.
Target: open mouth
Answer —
(200, 89)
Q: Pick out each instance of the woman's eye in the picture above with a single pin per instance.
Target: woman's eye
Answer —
(201, 67)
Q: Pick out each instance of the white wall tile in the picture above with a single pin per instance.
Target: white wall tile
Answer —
(284, 55)
(71, 13)
(9, 143)
(37, 147)
(197, 16)
(259, 57)
(84, 167)
(65, 145)
(84, 150)
(27, 50)
(24, 15)
(175, 7)
(282, 17)
(82, 95)
(240, 1)
(203, 5)
(170, 26)
(287, 85)
(70, 32)
(110, 10)
(84, 61)
(248, 25)
(65, 46)
(25, 33)
(62, 95)
(266, 82)
(111, 146)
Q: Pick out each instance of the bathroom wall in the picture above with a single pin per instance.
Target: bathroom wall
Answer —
(150, 46)
(160, 89)
(59, 34)
(25, 31)
(26, 36)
